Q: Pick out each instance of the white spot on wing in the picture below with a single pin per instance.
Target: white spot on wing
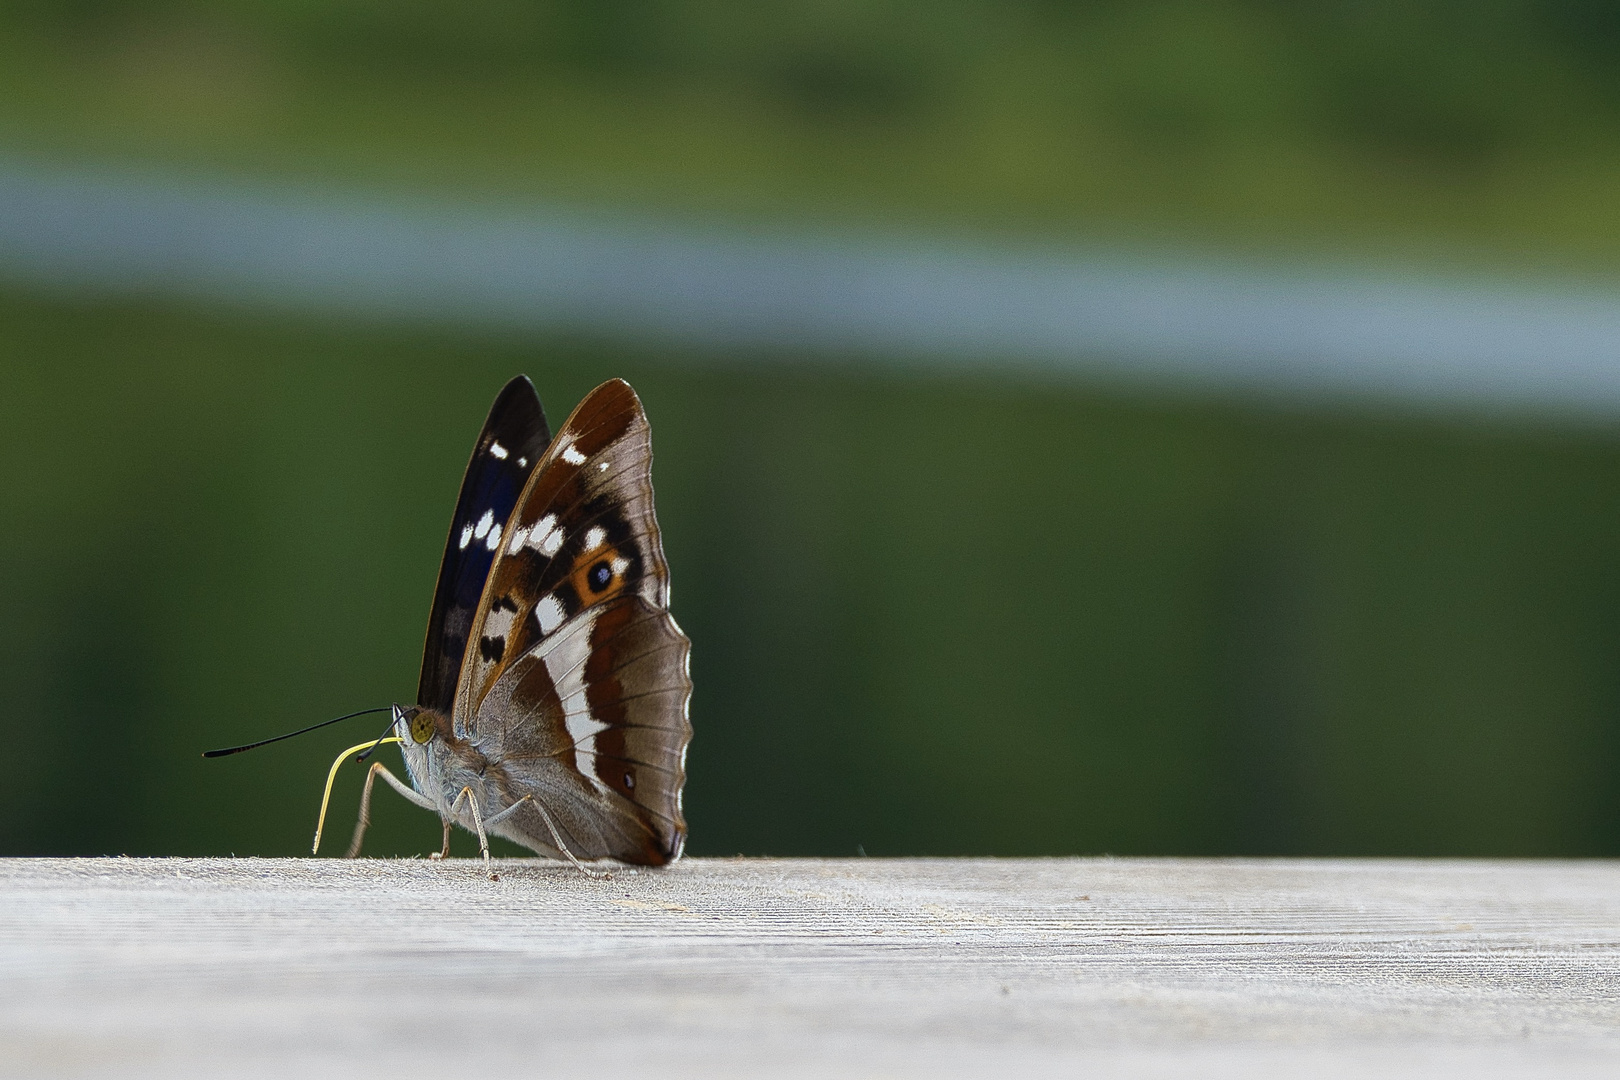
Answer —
(498, 623)
(545, 537)
(572, 456)
(498, 450)
(484, 523)
(595, 537)
(466, 536)
(494, 540)
(549, 613)
(523, 463)
(519, 535)
(602, 466)
(620, 565)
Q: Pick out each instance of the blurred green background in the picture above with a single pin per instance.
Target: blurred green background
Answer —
(932, 613)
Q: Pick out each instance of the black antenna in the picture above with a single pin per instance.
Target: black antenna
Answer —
(360, 759)
(290, 734)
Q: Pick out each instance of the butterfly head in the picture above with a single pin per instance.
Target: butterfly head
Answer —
(414, 724)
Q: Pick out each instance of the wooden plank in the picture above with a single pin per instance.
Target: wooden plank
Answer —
(789, 967)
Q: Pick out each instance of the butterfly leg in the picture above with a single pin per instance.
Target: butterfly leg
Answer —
(491, 822)
(365, 803)
(558, 840)
(478, 822)
(444, 851)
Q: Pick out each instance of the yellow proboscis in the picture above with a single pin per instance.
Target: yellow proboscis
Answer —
(332, 775)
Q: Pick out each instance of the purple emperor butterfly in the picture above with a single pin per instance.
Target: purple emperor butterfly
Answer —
(552, 708)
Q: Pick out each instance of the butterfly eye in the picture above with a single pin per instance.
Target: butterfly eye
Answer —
(600, 575)
(421, 727)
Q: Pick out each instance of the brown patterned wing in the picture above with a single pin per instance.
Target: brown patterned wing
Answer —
(575, 684)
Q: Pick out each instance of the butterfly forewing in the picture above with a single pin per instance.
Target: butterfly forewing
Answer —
(575, 676)
(508, 449)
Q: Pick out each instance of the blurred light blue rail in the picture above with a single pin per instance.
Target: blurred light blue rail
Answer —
(1288, 330)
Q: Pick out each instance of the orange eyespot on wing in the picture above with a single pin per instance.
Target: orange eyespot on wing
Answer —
(599, 575)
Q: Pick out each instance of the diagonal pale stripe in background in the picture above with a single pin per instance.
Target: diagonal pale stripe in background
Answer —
(1290, 330)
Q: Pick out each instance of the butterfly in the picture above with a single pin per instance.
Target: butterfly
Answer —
(553, 704)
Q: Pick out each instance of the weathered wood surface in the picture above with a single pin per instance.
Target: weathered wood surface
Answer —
(773, 967)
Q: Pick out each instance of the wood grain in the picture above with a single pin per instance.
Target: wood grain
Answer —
(798, 967)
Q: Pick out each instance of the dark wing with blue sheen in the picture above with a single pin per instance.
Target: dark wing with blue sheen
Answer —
(512, 442)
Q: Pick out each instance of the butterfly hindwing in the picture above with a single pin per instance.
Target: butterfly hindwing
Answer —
(575, 678)
(510, 446)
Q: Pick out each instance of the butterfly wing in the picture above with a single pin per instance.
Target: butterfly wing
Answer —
(508, 449)
(575, 686)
